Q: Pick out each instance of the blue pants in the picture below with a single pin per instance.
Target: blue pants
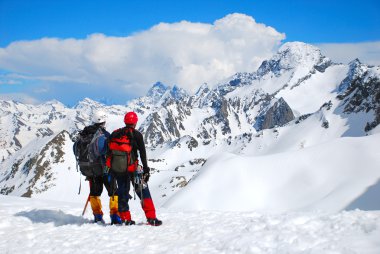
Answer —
(123, 186)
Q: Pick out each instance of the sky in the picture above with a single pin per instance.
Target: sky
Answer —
(112, 51)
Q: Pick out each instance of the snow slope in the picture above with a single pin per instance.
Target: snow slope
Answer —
(308, 179)
(29, 225)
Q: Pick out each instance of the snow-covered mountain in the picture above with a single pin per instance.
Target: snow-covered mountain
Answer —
(240, 144)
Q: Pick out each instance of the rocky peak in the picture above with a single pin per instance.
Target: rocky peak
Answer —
(204, 88)
(55, 102)
(157, 90)
(238, 80)
(356, 69)
(163, 94)
(292, 55)
(178, 93)
(361, 93)
(198, 99)
(88, 103)
(355, 62)
(55, 105)
(5, 105)
(295, 53)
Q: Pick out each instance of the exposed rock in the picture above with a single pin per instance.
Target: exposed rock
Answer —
(41, 163)
(192, 143)
(178, 182)
(277, 115)
(363, 95)
(302, 118)
(198, 161)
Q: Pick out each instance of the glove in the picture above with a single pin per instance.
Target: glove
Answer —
(146, 177)
(146, 174)
(146, 170)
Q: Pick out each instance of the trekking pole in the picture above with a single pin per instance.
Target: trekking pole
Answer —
(80, 183)
(80, 176)
(85, 206)
(142, 182)
(141, 190)
(134, 186)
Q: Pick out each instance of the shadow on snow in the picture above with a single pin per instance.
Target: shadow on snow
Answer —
(59, 218)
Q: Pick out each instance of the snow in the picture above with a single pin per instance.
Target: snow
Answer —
(28, 225)
(317, 90)
(298, 53)
(308, 179)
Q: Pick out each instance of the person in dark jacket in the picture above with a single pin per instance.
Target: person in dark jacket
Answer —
(97, 182)
(130, 139)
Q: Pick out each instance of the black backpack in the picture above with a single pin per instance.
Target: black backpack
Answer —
(89, 162)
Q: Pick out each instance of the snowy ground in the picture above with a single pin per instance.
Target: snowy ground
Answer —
(41, 226)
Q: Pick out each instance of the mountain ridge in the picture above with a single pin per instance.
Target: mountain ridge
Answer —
(296, 99)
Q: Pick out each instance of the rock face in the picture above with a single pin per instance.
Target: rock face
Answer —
(278, 115)
(360, 92)
(33, 172)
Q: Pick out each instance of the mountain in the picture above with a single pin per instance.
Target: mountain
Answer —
(296, 104)
(287, 181)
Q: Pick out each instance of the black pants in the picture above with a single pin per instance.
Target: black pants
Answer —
(96, 185)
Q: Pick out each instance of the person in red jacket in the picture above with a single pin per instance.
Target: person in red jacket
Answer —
(125, 146)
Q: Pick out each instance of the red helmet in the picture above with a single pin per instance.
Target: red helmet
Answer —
(131, 118)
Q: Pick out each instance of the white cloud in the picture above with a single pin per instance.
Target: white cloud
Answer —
(20, 97)
(183, 53)
(366, 52)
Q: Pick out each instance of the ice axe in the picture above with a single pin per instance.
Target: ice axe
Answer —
(85, 206)
(88, 200)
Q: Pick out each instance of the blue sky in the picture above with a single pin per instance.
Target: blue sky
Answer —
(303, 20)
(326, 23)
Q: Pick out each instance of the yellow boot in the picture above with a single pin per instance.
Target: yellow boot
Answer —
(114, 212)
(96, 206)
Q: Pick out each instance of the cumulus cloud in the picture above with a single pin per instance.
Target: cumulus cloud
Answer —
(184, 53)
(366, 52)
